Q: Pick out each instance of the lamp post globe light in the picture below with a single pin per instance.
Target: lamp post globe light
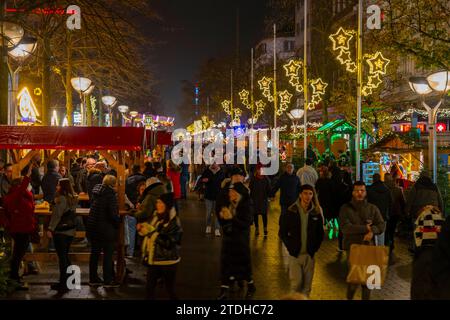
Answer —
(133, 115)
(123, 110)
(81, 85)
(438, 82)
(109, 101)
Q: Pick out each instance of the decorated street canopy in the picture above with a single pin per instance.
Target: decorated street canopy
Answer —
(72, 138)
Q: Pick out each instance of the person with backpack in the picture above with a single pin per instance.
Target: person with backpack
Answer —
(62, 228)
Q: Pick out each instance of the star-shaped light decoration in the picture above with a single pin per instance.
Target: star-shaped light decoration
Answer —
(374, 81)
(292, 68)
(243, 95)
(268, 95)
(366, 91)
(237, 115)
(341, 39)
(260, 105)
(264, 83)
(377, 63)
(318, 86)
(351, 67)
(285, 97)
(226, 104)
(344, 57)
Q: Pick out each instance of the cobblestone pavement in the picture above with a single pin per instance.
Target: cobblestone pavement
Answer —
(198, 271)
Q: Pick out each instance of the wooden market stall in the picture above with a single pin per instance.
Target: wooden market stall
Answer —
(118, 145)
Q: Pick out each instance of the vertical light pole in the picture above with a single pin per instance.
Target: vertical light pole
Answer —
(81, 85)
(358, 92)
(123, 110)
(109, 101)
(252, 97)
(439, 82)
(133, 115)
(231, 99)
(275, 95)
(305, 81)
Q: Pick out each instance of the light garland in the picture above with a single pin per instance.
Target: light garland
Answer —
(377, 62)
(285, 100)
(264, 85)
(445, 113)
(318, 87)
(244, 96)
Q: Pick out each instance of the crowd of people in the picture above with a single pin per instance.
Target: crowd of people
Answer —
(312, 201)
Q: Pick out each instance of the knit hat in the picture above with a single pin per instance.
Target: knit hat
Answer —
(168, 200)
(428, 226)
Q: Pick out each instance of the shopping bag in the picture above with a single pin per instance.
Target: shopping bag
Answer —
(364, 260)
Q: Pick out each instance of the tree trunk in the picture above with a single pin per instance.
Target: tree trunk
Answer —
(46, 82)
(69, 92)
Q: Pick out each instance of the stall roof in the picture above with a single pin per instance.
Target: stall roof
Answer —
(396, 143)
(72, 138)
(155, 138)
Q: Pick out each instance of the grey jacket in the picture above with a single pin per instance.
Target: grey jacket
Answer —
(354, 217)
(61, 206)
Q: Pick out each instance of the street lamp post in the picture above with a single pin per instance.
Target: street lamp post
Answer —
(133, 115)
(81, 85)
(109, 101)
(439, 82)
(123, 110)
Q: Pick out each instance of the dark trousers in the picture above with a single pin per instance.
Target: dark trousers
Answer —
(264, 218)
(284, 209)
(97, 247)
(168, 273)
(183, 181)
(390, 231)
(62, 246)
(21, 243)
(351, 290)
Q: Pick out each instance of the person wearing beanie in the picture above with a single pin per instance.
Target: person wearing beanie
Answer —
(235, 213)
(160, 248)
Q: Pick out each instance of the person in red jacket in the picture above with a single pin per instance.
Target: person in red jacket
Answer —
(174, 174)
(20, 220)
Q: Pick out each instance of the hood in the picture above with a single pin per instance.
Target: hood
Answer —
(101, 189)
(379, 187)
(172, 215)
(296, 205)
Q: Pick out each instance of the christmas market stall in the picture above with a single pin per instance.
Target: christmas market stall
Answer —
(117, 145)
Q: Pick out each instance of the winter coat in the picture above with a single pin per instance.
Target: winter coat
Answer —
(380, 195)
(148, 205)
(440, 264)
(94, 177)
(354, 218)
(260, 193)
(81, 181)
(307, 175)
(341, 192)
(5, 184)
(103, 219)
(324, 189)
(212, 187)
(61, 206)
(235, 253)
(131, 185)
(174, 176)
(19, 209)
(424, 192)
(49, 183)
(290, 230)
(289, 185)
(162, 240)
(398, 200)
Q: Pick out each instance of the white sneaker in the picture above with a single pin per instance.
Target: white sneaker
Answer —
(217, 233)
(208, 229)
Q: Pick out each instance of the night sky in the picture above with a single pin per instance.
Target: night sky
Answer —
(192, 32)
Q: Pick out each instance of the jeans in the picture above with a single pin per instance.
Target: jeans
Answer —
(21, 242)
(264, 219)
(108, 264)
(168, 273)
(210, 211)
(183, 181)
(131, 234)
(390, 231)
(62, 246)
(379, 238)
(301, 272)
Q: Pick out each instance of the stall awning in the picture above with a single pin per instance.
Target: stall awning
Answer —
(155, 138)
(396, 143)
(72, 138)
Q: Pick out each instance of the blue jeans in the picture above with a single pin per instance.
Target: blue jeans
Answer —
(183, 181)
(131, 234)
(210, 211)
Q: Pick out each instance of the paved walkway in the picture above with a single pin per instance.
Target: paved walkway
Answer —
(198, 271)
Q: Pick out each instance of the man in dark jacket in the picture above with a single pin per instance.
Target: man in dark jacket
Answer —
(95, 176)
(212, 179)
(380, 195)
(132, 183)
(396, 212)
(50, 181)
(360, 221)
(81, 183)
(5, 181)
(289, 185)
(440, 264)
(302, 234)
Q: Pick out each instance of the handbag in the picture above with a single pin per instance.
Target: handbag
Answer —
(67, 222)
(362, 257)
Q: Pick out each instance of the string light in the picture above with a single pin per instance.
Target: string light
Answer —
(285, 100)
(226, 105)
(244, 95)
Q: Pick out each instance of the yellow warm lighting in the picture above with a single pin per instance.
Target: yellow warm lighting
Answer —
(237, 115)
(374, 81)
(54, 121)
(377, 63)
(344, 57)
(264, 83)
(352, 67)
(226, 105)
(341, 39)
(318, 86)
(366, 91)
(292, 68)
(27, 108)
(285, 96)
(260, 105)
(37, 91)
(244, 95)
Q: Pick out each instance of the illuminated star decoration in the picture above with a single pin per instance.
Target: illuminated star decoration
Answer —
(260, 105)
(226, 104)
(292, 68)
(237, 115)
(341, 39)
(318, 92)
(285, 100)
(244, 95)
(377, 67)
(264, 85)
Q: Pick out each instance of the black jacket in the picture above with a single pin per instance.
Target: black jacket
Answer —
(95, 177)
(103, 220)
(290, 231)
(289, 185)
(440, 264)
(213, 184)
(380, 195)
(49, 183)
(324, 188)
(260, 193)
(131, 186)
